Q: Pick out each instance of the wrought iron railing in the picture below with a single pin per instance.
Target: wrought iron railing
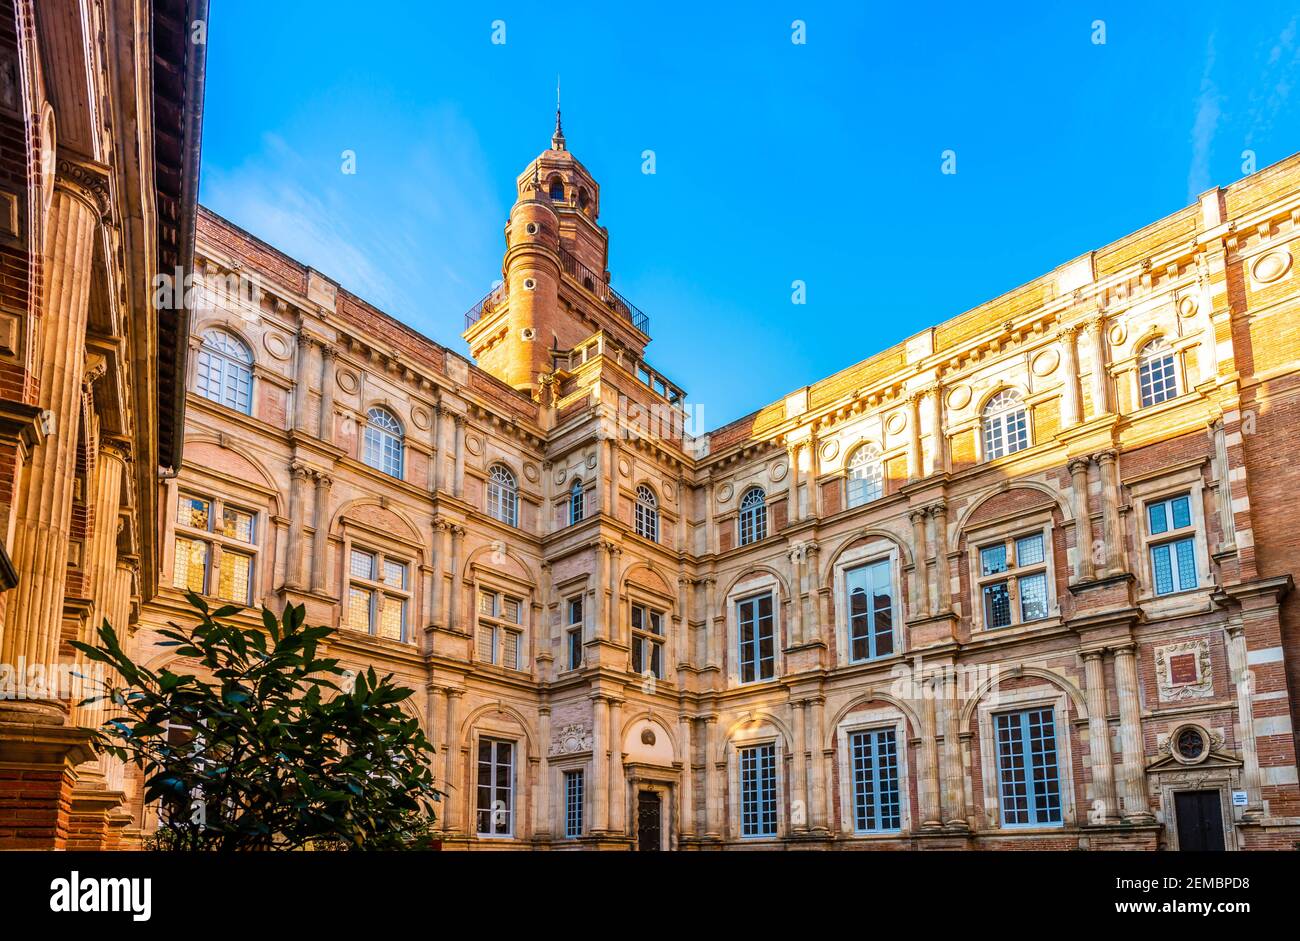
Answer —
(600, 289)
(490, 302)
(594, 284)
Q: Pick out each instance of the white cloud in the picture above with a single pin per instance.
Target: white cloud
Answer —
(1206, 122)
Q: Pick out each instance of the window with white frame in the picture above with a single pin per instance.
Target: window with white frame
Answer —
(574, 785)
(1005, 425)
(573, 633)
(866, 476)
(757, 638)
(1029, 787)
(871, 610)
(1012, 577)
(1171, 544)
(1157, 373)
(751, 524)
(877, 801)
(379, 592)
(503, 495)
(576, 500)
(757, 790)
(500, 635)
(647, 513)
(496, 787)
(381, 442)
(647, 641)
(215, 548)
(225, 371)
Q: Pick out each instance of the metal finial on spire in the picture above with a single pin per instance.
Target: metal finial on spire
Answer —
(557, 139)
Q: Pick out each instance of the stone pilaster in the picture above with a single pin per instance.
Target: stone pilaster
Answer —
(617, 783)
(320, 536)
(1099, 755)
(1115, 554)
(1078, 468)
(328, 364)
(799, 772)
(686, 792)
(298, 476)
(1137, 808)
(599, 764)
(920, 551)
(1071, 397)
(458, 482)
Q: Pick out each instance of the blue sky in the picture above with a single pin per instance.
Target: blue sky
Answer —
(775, 161)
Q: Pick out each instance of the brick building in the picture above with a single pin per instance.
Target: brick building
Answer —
(1021, 581)
(100, 112)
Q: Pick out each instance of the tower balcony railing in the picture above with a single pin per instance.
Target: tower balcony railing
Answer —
(490, 302)
(595, 285)
(600, 289)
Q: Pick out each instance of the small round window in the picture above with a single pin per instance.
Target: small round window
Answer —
(530, 284)
(1190, 744)
(531, 228)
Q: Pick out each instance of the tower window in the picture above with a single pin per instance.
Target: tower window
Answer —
(556, 189)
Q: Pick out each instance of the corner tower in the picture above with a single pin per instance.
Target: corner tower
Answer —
(555, 289)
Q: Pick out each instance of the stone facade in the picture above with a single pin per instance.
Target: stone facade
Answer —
(94, 208)
(1072, 509)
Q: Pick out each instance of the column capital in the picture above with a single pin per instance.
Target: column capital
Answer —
(86, 181)
(323, 480)
(304, 340)
(299, 471)
(938, 508)
(1105, 457)
(918, 515)
(329, 351)
(116, 446)
(1078, 465)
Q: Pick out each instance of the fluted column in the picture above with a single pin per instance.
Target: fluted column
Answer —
(792, 485)
(942, 575)
(437, 736)
(615, 614)
(542, 792)
(600, 623)
(1110, 508)
(820, 796)
(1132, 775)
(301, 390)
(458, 483)
(799, 772)
(435, 460)
(939, 459)
(1103, 771)
(328, 364)
(320, 537)
(457, 549)
(715, 776)
(954, 777)
(915, 460)
(599, 764)
(920, 586)
(1243, 682)
(42, 523)
(686, 791)
(796, 556)
(1099, 384)
(460, 796)
(1223, 488)
(298, 474)
(1078, 468)
(715, 621)
(1071, 404)
(101, 554)
(931, 815)
(441, 556)
(617, 785)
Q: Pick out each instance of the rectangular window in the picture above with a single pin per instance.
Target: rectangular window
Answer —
(377, 594)
(758, 790)
(215, 549)
(647, 641)
(573, 797)
(1173, 561)
(1028, 782)
(757, 639)
(496, 787)
(871, 611)
(499, 640)
(573, 636)
(1013, 582)
(877, 806)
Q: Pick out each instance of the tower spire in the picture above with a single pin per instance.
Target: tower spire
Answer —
(557, 139)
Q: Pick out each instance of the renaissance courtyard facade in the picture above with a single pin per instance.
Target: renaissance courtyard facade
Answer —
(1021, 581)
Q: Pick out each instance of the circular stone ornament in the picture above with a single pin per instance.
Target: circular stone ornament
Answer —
(1271, 267)
(1045, 363)
(896, 423)
(1188, 305)
(276, 345)
(347, 380)
(830, 449)
(959, 396)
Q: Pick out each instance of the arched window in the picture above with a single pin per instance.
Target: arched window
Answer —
(557, 189)
(1157, 375)
(503, 495)
(753, 516)
(226, 371)
(381, 445)
(1006, 425)
(647, 513)
(866, 478)
(575, 502)
(584, 201)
